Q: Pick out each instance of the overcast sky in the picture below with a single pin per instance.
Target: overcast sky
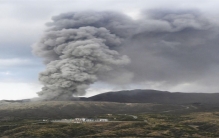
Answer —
(22, 23)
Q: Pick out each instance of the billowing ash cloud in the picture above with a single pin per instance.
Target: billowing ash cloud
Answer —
(173, 47)
(170, 47)
(78, 50)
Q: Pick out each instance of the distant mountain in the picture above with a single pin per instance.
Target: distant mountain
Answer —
(145, 96)
(16, 101)
(154, 96)
(121, 102)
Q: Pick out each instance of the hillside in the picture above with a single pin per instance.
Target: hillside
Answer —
(193, 125)
(130, 102)
(154, 96)
(72, 109)
(159, 114)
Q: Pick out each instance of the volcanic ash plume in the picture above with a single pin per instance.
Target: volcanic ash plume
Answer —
(166, 49)
(76, 55)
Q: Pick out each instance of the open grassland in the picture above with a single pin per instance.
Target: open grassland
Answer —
(199, 124)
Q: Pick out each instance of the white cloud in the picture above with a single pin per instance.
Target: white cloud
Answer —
(5, 73)
(14, 30)
(14, 62)
(14, 91)
(134, 14)
(193, 87)
(94, 91)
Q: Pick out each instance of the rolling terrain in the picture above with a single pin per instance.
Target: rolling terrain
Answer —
(159, 114)
(154, 96)
(192, 125)
(72, 109)
(130, 102)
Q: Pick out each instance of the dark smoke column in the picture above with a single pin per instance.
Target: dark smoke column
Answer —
(77, 49)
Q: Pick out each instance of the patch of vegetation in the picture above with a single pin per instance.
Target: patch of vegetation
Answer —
(120, 117)
(200, 125)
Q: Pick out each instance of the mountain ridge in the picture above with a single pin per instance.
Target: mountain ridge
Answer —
(145, 96)
(155, 96)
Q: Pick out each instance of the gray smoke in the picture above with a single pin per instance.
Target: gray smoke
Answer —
(77, 51)
(173, 47)
(81, 48)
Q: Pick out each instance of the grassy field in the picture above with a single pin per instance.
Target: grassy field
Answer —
(199, 124)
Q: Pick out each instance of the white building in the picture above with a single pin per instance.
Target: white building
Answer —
(80, 119)
(103, 120)
(90, 120)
